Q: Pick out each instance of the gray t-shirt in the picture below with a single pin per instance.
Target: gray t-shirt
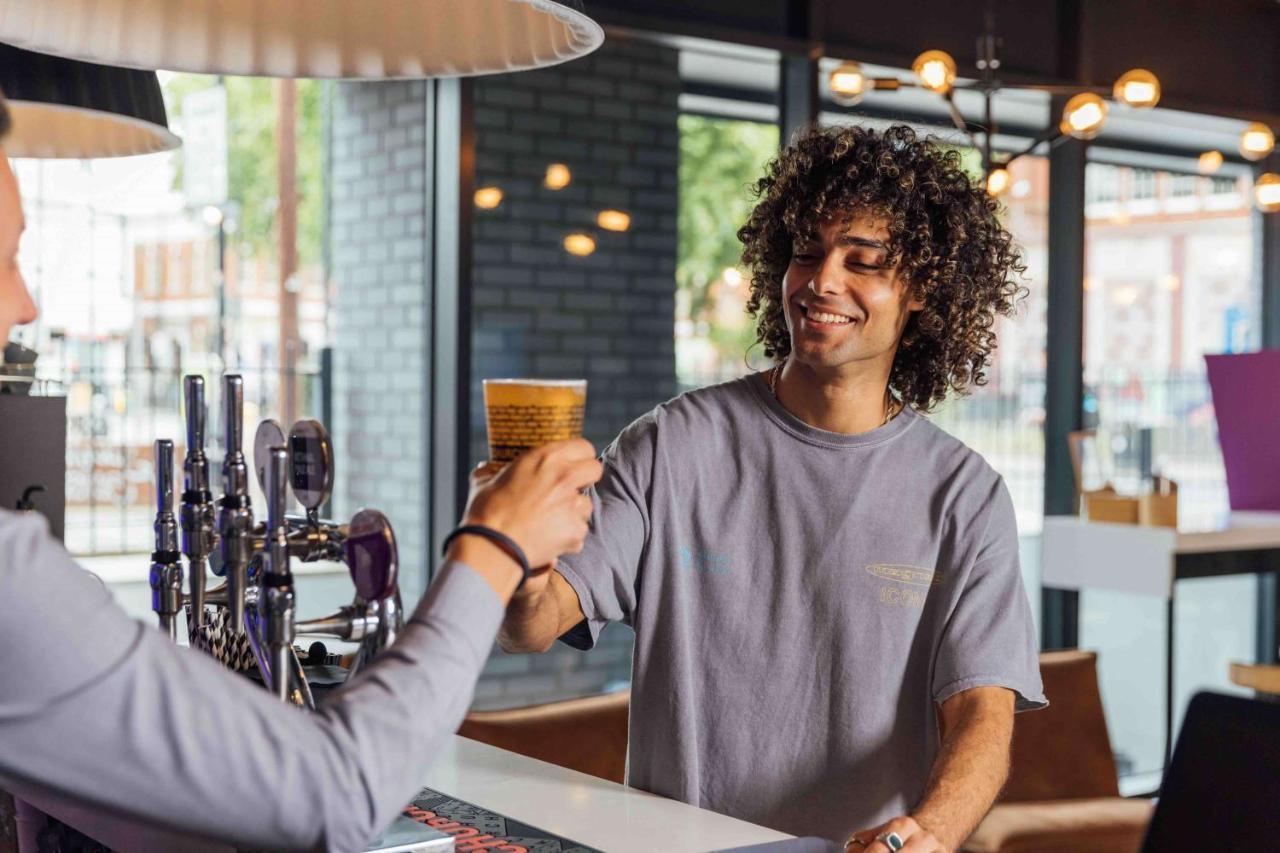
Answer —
(801, 600)
(100, 709)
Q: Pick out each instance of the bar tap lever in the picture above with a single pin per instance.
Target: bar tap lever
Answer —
(166, 559)
(276, 596)
(235, 512)
(197, 502)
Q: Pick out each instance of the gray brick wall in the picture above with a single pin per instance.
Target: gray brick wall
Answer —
(378, 245)
(540, 312)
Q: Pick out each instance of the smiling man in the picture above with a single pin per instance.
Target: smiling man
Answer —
(832, 636)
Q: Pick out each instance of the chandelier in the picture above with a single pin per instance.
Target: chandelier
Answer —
(1083, 115)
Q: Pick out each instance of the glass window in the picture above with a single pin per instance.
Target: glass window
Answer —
(719, 160)
(1162, 289)
(122, 262)
(1142, 183)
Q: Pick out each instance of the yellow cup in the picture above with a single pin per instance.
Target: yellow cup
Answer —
(525, 413)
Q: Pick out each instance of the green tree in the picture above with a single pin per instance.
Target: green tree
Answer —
(719, 161)
(251, 158)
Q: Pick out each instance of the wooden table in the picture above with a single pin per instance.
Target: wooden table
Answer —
(1079, 555)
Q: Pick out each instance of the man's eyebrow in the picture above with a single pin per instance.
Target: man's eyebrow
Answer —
(863, 242)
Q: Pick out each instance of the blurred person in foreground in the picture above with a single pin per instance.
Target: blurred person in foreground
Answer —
(832, 635)
(104, 711)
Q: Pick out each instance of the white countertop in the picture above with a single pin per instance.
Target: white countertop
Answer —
(588, 810)
(582, 808)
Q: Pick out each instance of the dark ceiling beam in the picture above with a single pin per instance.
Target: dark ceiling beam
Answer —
(1218, 57)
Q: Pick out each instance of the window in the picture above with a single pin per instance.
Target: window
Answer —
(1142, 184)
(719, 159)
(128, 300)
(1182, 186)
(1104, 186)
(1162, 289)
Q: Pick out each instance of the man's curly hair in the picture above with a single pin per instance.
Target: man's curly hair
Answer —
(943, 230)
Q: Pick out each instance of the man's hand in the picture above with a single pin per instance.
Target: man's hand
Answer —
(537, 501)
(916, 839)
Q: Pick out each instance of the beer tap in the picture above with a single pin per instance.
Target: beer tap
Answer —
(235, 516)
(276, 596)
(372, 559)
(197, 501)
(166, 559)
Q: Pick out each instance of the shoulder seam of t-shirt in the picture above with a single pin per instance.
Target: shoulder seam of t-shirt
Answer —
(758, 396)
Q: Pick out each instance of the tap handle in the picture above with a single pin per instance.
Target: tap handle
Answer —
(233, 413)
(164, 476)
(277, 486)
(193, 396)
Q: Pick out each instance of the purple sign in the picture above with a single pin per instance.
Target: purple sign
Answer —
(1246, 400)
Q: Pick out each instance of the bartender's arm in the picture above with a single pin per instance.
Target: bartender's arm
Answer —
(96, 707)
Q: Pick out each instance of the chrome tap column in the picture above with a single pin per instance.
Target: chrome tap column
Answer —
(235, 514)
(276, 597)
(166, 559)
(197, 501)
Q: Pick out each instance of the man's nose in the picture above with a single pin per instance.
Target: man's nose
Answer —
(828, 279)
(27, 307)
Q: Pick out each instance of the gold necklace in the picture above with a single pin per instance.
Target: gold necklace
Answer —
(888, 398)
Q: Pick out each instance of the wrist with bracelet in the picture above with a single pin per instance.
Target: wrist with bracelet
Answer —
(501, 540)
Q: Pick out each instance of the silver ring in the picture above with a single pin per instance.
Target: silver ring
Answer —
(892, 840)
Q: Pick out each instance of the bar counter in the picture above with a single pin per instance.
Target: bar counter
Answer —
(593, 812)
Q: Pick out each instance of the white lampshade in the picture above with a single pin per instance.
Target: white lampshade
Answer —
(55, 131)
(347, 39)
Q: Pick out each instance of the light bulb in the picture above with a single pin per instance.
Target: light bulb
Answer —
(1266, 192)
(848, 83)
(998, 182)
(936, 70)
(557, 177)
(1257, 141)
(1209, 162)
(613, 220)
(579, 244)
(1083, 116)
(487, 198)
(1138, 88)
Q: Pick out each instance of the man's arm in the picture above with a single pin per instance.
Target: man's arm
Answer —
(102, 710)
(967, 776)
(540, 612)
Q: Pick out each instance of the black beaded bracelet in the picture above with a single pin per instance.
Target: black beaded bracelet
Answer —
(506, 543)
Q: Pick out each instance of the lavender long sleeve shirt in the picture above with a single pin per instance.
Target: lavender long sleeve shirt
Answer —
(98, 707)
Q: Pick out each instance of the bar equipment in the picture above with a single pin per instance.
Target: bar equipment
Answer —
(166, 560)
(235, 516)
(252, 619)
(197, 502)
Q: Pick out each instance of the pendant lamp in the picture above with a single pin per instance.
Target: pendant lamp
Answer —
(335, 39)
(62, 108)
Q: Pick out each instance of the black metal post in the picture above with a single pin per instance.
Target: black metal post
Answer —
(450, 185)
(1267, 241)
(1064, 363)
(798, 101)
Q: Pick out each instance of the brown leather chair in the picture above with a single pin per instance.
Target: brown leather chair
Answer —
(588, 735)
(1063, 795)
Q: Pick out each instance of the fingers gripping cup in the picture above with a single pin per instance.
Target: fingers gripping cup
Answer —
(526, 413)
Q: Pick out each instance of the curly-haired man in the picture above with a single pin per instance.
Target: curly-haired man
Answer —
(832, 636)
